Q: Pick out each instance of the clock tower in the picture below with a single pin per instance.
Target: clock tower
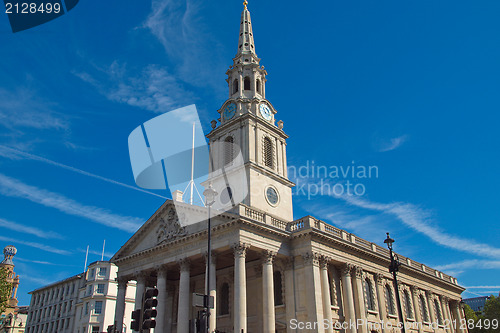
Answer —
(248, 130)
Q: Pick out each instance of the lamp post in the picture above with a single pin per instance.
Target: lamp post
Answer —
(210, 195)
(393, 268)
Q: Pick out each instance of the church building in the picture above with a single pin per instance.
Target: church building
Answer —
(268, 271)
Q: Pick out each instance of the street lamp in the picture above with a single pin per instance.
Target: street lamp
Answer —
(393, 268)
(210, 195)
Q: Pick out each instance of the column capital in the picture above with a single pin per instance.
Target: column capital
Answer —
(122, 281)
(414, 289)
(184, 264)
(161, 271)
(140, 276)
(428, 294)
(358, 271)
(379, 278)
(268, 257)
(346, 269)
(240, 249)
(311, 258)
(323, 261)
(213, 259)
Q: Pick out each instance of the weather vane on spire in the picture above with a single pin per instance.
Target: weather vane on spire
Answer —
(245, 3)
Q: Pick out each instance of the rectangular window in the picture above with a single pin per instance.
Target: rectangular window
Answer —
(98, 307)
(100, 288)
(92, 272)
(89, 290)
(102, 271)
(95, 329)
(86, 308)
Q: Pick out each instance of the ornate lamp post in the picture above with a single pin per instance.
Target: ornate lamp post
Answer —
(394, 268)
(210, 195)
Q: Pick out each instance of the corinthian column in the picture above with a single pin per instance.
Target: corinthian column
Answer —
(418, 316)
(240, 288)
(313, 295)
(183, 307)
(161, 284)
(325, 287)
(139, 289)
(348, 297)
(360, 300)
(120, 303)
(379, 279)
(268, 292)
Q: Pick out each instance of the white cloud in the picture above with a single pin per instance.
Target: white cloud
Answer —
(393, 143)
(40, 262)
(483, 287)
(21, 109)
(39, 246)
(154, 89)
(29, 230)
(179, 27)
(14, 188)
(472, 263)
(19, 154)
(421, 220)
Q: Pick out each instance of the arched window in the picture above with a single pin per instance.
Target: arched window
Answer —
(409, 310)
(438, 312)
(423, 306)
(224, 299)
(391, 309)
(235, 86)
(258, 86)
(228, 150)
(246, 83)
(268, 152)
(278, 291)
(370, 300)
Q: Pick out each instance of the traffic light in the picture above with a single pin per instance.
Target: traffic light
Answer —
(136, 319)
(149, 313)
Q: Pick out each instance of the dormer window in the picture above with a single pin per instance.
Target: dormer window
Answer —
(246, 83)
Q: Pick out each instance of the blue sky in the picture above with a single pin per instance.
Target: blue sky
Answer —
(408, 87)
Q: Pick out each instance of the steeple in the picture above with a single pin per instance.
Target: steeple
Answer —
(246, 78)
(246, 46)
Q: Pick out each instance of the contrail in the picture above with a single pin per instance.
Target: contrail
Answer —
(82, 172)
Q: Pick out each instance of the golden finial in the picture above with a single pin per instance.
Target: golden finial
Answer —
(245, 3)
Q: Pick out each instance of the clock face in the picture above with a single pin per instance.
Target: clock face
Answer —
(272, 196)
(229, 111)
(265, 111)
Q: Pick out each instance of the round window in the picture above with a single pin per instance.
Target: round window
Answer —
(226, 195)
(272, 196)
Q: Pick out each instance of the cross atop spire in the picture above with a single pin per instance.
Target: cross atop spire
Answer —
(246, 45)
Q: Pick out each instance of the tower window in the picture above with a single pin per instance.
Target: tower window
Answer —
(278, 291)
(235, 86)
(258, 86)
(246, 83)
(228, 150)
(268, 152)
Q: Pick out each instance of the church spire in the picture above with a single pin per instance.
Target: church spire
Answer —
(246, 46)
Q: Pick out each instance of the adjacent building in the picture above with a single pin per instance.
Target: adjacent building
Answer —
(82, 303)
(476, 303)
(270, 272)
